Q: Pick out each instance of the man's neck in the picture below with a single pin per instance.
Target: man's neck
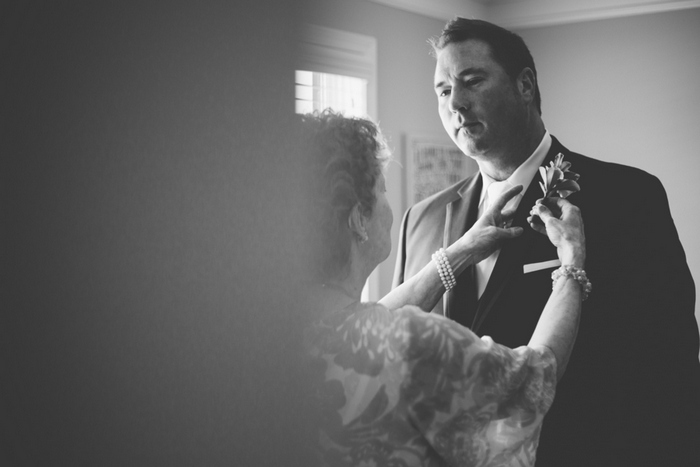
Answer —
(500, 167)
(498, 170)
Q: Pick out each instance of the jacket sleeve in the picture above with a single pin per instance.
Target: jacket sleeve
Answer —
(646, 324)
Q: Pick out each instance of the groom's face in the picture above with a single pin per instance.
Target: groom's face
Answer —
(479, 104)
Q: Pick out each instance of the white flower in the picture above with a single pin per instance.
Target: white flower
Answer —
(559, 181)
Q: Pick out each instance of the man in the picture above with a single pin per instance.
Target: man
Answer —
(631, 392)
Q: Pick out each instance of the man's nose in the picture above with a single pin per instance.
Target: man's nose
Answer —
(458, 101)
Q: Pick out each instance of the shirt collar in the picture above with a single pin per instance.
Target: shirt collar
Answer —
(524, 174)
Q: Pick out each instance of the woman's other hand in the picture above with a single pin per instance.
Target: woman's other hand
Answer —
(491, 229)
(564, 231)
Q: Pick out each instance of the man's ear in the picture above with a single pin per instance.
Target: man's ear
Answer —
(356, 223)
(527, 84)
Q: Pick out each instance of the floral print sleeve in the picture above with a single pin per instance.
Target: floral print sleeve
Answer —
(409, 388)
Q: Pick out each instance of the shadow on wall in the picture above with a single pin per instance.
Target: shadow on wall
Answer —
(151, 222)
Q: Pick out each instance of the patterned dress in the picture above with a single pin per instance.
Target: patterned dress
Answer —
(409, 388)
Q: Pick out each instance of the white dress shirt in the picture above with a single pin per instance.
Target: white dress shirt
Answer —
(491, 189)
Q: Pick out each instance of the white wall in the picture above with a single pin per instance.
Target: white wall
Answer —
(627, 90)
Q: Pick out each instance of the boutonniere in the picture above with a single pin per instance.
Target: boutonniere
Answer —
(559, 181)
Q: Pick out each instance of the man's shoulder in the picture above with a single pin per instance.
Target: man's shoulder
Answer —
(602, 171)
(593, 164)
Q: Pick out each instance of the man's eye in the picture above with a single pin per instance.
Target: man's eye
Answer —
(473, 81)
(443, 93)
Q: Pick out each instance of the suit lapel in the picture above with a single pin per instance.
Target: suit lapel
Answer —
(510, 260)
(463, 208)
(460, 215)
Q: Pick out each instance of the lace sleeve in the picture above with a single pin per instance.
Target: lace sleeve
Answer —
(476, 402)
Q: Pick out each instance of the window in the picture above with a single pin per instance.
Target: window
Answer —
(337, 69)
(317, 91)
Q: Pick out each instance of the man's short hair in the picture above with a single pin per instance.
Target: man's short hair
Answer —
(508, 49)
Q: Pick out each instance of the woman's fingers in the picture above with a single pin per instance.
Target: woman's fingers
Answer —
(560, 204)
(570, 214)
(508, 214)
(542, 212)
(536, 225)
(506, 196)
(512, 232)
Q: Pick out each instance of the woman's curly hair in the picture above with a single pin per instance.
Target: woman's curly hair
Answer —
(347, 155)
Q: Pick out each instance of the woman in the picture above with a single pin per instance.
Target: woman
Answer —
(396, 385)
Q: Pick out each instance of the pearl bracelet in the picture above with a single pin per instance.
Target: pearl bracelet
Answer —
(444, 269)
(578, 274)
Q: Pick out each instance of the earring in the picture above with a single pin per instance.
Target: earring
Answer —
(363, 236)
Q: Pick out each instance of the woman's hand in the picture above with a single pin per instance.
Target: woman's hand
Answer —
(490, 230)
(564, 231)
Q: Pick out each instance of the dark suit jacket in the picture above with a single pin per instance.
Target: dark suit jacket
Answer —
(631, 392)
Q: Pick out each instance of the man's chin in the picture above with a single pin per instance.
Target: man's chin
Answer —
(472, 148)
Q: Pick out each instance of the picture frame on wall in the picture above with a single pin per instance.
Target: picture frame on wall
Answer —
(433, 163)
